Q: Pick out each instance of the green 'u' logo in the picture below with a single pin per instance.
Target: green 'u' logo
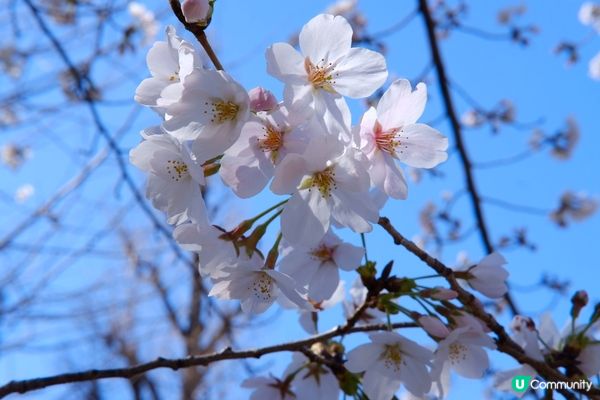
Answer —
(520, 383)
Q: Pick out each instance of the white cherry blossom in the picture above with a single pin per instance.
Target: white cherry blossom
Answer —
(256, 288)
(211, 112)
(391, 132)
(594, 67)
(589, 14)
(265, 140)
(309, 318)
(488, 277)
(169, 62)
(463, 351)
(389, 361)
(318, 267)
(326, 68)
(326, 186)
(312, 381)
(174, 177)
(358, 294)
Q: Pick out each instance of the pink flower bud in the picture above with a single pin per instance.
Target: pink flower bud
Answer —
(195, 10)
(441, 293)
(434, 326)
(261, 100)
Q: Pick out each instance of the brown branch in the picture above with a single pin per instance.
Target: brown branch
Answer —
(458, 138)
(504, 342)
(198, 32)
(191, 361)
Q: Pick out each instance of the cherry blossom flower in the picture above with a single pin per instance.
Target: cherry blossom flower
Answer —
(325, 187)
(319, 266)
(265, 140)
(24, 193)
(268, 389)
(261, 99)
(389, 361)
(312, 381)
(215, 253)
(488, 277)
(326, 69)
(169, 62)
(174, 177)
(391, 133)
(144, 19)
(463, 352)
(211, 112)
(256, 288)
(309, 318)
(195, 10)
(589, 14)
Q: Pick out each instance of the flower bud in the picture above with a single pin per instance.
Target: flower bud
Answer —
(434, 326)
(579, 300)
(261, 100)
(440, 293)
(195, 10)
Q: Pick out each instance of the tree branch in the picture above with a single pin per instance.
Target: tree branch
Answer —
(191, 361)
(503, 341)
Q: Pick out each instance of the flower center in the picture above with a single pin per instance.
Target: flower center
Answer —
(392, 357)
(457, 352)
(271, 141)
(386, 140)
(223, 111)
(174, 77)
(320, 76)
(177, 170)
(323, 253)
(262, 286)
(323, 181)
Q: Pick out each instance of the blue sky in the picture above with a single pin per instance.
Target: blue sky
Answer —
(532, 77)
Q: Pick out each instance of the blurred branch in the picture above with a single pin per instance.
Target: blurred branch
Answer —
(443, 83)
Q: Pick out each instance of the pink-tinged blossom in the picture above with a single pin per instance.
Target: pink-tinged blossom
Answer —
(389, 361)
(433, 326)
(174, 177)
(390, 132)
(326, 187)
(318, 267)
(312, 381)
(265, 140)
(326, 69)
(195, 10)
(261, 99)
(211, 112)
(488, 277)
(169, 62)
(255, 287)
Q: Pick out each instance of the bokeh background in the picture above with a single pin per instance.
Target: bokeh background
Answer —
(89, 280)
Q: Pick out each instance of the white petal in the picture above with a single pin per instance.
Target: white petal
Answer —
(361, 73)
(361, 358)
(324, 282)
(288, 174)
(305, 218)
(473, 363)
(325, 37)
(378, 386)
(348, 257)
(400, 106)
(421, 146)
(286, 64)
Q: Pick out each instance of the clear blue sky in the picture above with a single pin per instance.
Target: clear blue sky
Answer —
(533, 78)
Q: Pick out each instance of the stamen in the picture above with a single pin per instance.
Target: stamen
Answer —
(323, 253)
(392, 357)
(262, 286)
(271, 141)
(177, 170)
(457, 353)
(320, 76)
(223, 111)
(387, 141)
(323, 181)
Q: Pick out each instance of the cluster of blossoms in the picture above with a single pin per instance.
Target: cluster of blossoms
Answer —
(589, 15)
(331, 175)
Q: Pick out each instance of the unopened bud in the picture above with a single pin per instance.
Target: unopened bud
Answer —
(261, 100)
(579, 300)
(440, 293)
(434, 326)
(195, 10)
